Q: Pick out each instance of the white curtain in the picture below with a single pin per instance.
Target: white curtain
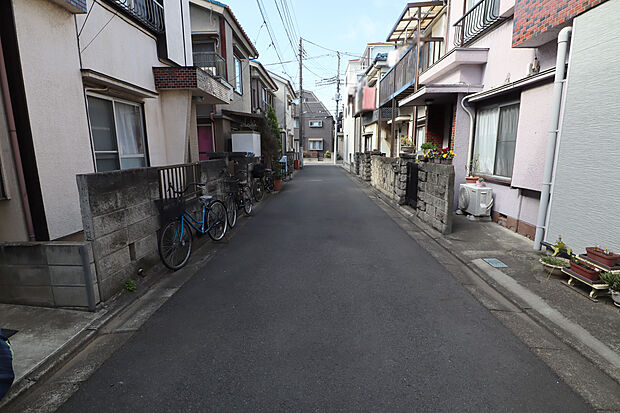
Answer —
(486, 139)
(129, 128)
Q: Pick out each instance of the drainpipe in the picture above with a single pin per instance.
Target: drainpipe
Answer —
(21, 181)
(558, 88)
(470, 148)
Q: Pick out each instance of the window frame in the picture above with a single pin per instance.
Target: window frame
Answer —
(142, 125)
(320, 122)
(498, 107)
(238, 86)
(315, 140)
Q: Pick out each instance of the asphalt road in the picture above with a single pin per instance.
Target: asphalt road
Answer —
(322, 303)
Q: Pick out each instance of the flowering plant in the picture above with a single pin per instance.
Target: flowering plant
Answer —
(406, 141)
(444, 153)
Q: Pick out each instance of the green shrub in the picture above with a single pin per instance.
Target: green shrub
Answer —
(428, 145)
(328, 154)
(131, 286)
(558, 262)
(612, 279)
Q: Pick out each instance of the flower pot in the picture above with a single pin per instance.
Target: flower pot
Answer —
(615, 295)
(277, 184)
(436, 160)
(480, 184)
(585, 270)
(446, 161)
(598, 255)
(471, 179)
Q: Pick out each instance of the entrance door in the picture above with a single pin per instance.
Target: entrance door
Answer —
(205, 141)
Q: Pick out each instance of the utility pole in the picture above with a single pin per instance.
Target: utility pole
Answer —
(335, 151)
(301, 105)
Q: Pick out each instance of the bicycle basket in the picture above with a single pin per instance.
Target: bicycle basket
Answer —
(170, 209)
(232, 185)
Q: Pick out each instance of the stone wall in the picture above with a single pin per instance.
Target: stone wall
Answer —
(435, 196)
(48, 274)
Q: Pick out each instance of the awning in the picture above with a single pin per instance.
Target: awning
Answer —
(546, 75)
(434, 94)
(407, 23)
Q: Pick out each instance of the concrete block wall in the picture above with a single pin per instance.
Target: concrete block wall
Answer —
(50, 274)
(121, 219)
(384, 174)
(436, 195)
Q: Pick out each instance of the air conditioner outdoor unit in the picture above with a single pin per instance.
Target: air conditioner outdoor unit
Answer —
(475, 200)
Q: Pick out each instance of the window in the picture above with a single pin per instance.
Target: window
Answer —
(496, 137)
(296, 120)
(118, 135)
(316, 123)
(315, 144)
(238, 75)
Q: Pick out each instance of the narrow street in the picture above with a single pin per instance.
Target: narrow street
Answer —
(323, 303)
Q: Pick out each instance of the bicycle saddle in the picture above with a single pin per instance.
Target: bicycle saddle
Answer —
(206, 198)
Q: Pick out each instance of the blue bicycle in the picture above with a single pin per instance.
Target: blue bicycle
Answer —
(175, 239)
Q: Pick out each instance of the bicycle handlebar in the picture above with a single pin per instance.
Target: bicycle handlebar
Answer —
(171, 187)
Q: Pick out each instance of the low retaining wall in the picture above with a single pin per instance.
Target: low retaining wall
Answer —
(121, 219)
(48, 274)
(435, 186)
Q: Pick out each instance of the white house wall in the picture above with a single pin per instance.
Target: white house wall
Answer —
(56, 108)
(584, 205)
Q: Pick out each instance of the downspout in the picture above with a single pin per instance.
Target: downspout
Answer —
(213, 128)
(558, 88)
(470, 148)
(21, 181)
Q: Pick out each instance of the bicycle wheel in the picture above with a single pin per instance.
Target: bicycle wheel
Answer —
(175, 244)
(216, 220)
(269, 185)
(247, 201)
(258, 190)
(231, 210)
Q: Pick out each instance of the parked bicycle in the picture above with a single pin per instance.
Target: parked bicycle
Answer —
(258, 186)
(269, 181)
(238, 196)
(175, 239)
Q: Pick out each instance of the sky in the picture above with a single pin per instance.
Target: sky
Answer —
(343, 25)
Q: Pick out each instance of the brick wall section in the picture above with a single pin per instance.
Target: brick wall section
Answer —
(434, 126)
(539, 21)
(49, 274)
(121, 219)
(191, 78)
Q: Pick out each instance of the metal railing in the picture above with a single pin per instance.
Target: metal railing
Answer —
(148, 12)
(475, 21)
(430, 52)
(402, 74)
(210, 62)
(178, 176)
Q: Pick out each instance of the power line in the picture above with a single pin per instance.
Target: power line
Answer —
(333, 50)
(269, 31)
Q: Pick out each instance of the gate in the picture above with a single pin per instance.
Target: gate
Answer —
(411, 196)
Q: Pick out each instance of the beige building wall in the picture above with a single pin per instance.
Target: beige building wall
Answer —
(56, 108)
(11, 206)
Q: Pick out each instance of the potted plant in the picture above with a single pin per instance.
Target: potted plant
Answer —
(277, 176)
(585, 270)
(447, 156)
(480, 182)
(613, 281)
(434, 155)
(553, 265)
(473, 169)
(427, 147)
(406, 144)
(603, 256)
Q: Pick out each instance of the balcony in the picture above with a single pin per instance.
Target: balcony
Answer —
(482, 16)
(149, 13)
(199, 82)
(401, 80)
(211, 63)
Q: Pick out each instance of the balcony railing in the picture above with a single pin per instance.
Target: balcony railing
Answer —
(473, 23)
(148, 12)
(402, 75)
(210, 62)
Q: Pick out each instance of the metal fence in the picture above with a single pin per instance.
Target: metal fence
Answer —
(176, 178)
(148, 12)
(210, 62)
(473, 23)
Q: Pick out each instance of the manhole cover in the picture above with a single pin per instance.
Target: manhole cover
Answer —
(495, 263)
